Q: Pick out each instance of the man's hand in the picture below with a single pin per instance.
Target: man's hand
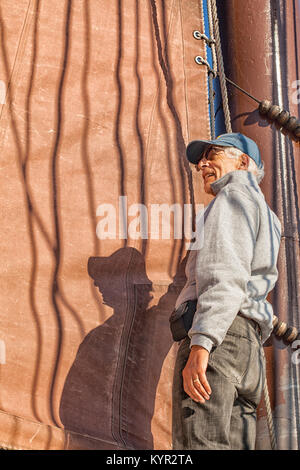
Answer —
(195, 383)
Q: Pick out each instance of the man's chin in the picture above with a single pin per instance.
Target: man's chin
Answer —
(208, 189)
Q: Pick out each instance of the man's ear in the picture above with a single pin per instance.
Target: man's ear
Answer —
(244, 162)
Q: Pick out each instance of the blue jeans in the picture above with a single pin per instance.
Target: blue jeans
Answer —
(236, 373)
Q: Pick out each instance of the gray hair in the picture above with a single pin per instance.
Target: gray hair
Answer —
(259, 173)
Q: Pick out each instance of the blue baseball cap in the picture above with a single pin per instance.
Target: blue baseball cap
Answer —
(196, 148)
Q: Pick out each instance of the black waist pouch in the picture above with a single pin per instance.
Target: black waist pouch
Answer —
(181, 319)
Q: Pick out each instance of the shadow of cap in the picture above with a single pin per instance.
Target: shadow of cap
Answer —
(126, 261)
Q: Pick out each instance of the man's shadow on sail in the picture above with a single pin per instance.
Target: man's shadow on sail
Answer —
(110, 390)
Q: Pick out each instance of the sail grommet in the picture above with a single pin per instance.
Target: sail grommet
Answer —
(201, 61)
(197, 35)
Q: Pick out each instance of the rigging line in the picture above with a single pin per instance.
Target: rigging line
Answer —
(241, 89)
(212, 74)
(212, 4)
(288, 125)
(212, 44)
(201, 61)
(270, 421)
(211, 106)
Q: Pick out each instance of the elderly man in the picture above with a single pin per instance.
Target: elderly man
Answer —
(220, 366)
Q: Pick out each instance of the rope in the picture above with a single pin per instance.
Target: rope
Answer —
(269, 416)
(212, 44)
(212, 74)
(287, 334)
(242, 90)
(200, 61)
(211, 5)
(287, 124)
(211, 105)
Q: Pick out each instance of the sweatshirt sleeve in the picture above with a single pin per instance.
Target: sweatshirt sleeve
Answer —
(223, 265)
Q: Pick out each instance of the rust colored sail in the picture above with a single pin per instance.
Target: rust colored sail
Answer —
(98, 101)
(102, 97)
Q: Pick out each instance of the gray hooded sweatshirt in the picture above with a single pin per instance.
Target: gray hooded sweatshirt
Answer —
(235, 268)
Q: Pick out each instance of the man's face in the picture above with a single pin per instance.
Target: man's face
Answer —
(215, 164)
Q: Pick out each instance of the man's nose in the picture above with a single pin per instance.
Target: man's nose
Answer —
(202, 164)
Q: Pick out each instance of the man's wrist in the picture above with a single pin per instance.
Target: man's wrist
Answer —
(201, 340)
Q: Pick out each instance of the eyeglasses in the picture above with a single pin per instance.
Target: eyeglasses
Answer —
(213, 150)
(209, 153)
